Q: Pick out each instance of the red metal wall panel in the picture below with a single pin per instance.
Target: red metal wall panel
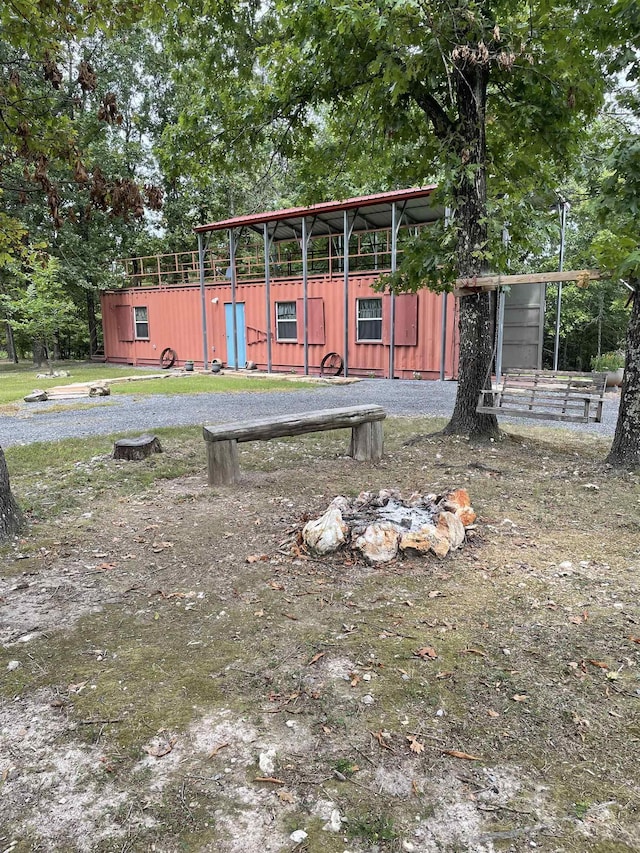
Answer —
(175, 320)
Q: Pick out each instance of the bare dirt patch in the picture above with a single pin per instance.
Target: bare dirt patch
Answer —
(177, 674)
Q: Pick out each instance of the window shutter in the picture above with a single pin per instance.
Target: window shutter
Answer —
(124, 322)
(406, 320)
(315, 320)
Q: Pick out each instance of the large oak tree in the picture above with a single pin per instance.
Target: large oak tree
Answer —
(489, 98)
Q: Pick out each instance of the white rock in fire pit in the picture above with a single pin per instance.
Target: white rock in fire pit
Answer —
(379, 542)
(424, 540)
(450, 526)
(327, 533)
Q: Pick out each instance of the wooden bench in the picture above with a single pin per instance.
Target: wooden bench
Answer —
(222, 440)
(547, 395)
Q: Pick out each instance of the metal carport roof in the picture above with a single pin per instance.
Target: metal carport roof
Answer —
(368, 213)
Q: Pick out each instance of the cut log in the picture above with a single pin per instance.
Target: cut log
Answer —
(222, 458)
(367, 442)
(133, 449)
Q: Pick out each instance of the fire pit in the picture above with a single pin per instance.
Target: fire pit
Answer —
(381, 524)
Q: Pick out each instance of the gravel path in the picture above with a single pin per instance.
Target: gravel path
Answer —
(103, 416)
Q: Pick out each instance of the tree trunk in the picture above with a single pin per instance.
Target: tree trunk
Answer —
(11, 520)
(12, 354)
(625, 450)
(91, 321)
(470, 196)
(38, 353)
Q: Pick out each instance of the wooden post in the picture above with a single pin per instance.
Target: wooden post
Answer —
(367, 442)
(222, 462)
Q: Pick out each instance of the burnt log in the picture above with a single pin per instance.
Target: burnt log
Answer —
(134, 449)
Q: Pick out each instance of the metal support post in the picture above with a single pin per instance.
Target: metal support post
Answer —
(305, 295)
(203, 302)
(234, 324)
(443, 337)
(394, 267)
(500, 336)
(267, 288)
(347, 229)
(563, 228)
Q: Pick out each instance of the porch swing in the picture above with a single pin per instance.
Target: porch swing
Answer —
(550, 395)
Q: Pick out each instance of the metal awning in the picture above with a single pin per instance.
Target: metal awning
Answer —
(368, 213)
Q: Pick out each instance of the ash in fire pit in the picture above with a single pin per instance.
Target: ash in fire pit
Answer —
(381, 524)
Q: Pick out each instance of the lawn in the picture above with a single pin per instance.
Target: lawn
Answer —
(179, 674)
(16, 381)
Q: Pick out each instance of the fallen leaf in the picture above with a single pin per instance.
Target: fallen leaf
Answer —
(259, 613)
(520, 697)
(634, 639)
(471, 650)
(276, 585)
(426, 652)
(161, 749)
(447, 673)
(77, 688)
(455, 753)
(380, 737)
(104, 567)
(492, 713)
(271, 779)
(599, 663)
(415, 745)
(285, 796)
(316, 658)
(257, 558)
(435, 593)
(216, 749)
(576, 620)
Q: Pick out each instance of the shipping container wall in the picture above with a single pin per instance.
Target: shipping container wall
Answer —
(139, 323)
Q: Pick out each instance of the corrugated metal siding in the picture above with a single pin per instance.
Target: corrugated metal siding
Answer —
(175, 321)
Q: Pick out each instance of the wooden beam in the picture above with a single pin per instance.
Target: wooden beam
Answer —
(485, 283)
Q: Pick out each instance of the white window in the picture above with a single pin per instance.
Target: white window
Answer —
(286, 323)
(141, 322)
(369, 319)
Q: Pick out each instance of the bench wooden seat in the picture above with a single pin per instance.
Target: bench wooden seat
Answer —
(547, 395)
(222, 439)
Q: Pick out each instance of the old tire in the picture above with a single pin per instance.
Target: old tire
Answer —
(167, 358)
(332, 364)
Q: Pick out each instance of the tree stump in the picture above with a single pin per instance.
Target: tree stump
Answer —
(133, 449)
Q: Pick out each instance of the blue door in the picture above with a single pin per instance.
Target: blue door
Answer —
(241, 335)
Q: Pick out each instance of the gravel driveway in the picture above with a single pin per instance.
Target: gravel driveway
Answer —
(102, 416)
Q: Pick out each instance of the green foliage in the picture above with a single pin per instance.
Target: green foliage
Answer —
(608, 361)
(40, 309)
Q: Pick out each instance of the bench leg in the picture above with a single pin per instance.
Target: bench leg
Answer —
(222, 462)
(367, 442)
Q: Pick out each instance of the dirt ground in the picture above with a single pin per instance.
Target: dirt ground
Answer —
(176, 674)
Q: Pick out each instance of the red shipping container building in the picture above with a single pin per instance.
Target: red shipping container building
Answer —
(279, 291)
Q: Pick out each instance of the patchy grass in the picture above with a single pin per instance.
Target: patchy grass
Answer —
(175, 647)
(208, 383)
(16, 381)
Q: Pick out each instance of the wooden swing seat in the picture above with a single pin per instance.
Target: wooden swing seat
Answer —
(546, 395)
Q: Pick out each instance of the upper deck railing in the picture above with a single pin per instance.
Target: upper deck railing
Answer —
(368, 252)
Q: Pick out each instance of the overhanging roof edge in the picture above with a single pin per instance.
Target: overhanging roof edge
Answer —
(254, 219)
